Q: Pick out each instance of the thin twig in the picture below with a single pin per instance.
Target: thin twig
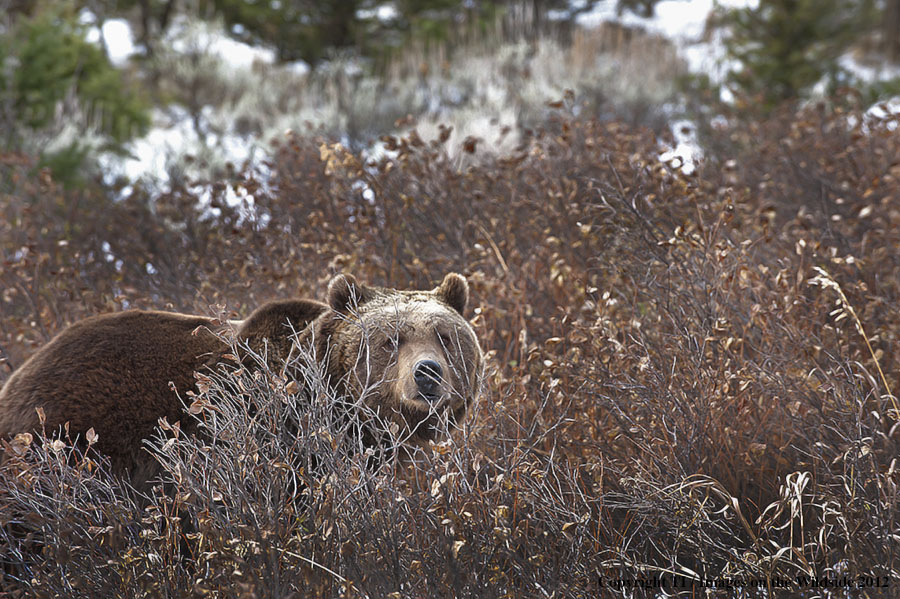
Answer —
(4, 358)
(495, 248)
(827, 280)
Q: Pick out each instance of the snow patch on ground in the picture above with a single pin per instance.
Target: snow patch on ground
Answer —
(884, 110)
(148, 156)
(115, 35)
(674, 19)
(687, 149)
(189, 36)
(683, 22)
(383, 12)
(869, 73)
(154, 157)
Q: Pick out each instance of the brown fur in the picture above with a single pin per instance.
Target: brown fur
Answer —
(119, 373)
(373, 337)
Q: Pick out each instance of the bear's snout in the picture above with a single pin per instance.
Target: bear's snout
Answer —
(428, 375)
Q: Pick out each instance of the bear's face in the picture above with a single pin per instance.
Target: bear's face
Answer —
(410, 355)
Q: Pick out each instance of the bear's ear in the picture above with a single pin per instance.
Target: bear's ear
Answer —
(344, 293)
(454, 290)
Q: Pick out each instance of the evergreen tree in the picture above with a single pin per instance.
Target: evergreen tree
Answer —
(644, 8)
(784, 47)
(296, 29)
(50, 68)
(309, 30)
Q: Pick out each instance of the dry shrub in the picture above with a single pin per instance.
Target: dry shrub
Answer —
(668, 391)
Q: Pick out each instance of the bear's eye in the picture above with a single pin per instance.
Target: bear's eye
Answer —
(392, 343)
(446, 340)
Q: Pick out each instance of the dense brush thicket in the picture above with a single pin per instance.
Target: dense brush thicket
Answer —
(688, 374)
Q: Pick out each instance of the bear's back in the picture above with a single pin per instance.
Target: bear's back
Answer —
(116, 373)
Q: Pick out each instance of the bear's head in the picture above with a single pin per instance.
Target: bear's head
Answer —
(410, 355)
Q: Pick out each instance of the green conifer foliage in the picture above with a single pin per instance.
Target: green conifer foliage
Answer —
(297, 29)
(787, 46)
(49, 68)
(310, 30)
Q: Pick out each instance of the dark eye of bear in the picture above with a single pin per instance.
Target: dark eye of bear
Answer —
(446, 340)
(393, 342)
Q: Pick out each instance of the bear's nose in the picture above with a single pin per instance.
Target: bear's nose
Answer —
(428, 375)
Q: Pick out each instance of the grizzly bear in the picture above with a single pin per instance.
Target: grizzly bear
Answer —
(411, 356)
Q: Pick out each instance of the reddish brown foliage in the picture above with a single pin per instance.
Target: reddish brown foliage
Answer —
(661, 366)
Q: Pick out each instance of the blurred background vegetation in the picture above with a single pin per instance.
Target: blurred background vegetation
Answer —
(359, 69)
